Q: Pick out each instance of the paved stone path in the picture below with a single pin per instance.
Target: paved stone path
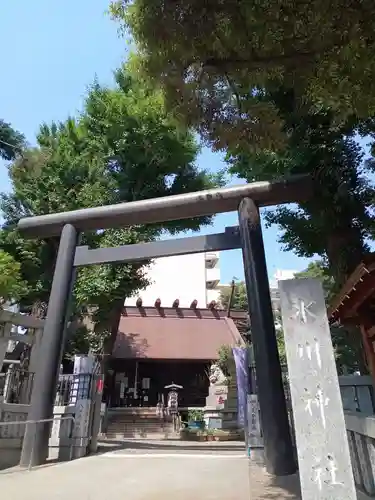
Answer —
(151, 471)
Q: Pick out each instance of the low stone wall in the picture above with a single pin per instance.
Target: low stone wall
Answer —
(11, 436)
(10, 453)
(69, 437)
(61, 443)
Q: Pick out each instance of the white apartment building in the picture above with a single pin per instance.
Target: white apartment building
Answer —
(280, 274)
(183, 277)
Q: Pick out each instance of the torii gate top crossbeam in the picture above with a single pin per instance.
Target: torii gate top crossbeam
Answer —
(168, 208)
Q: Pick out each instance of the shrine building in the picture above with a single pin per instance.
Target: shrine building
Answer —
(157, 346)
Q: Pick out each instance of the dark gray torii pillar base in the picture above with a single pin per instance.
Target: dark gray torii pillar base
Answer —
(278, 448)
(35, 443)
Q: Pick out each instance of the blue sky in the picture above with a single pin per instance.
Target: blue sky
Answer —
(56, 49)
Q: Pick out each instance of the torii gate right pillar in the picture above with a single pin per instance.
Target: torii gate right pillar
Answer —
(278, 448)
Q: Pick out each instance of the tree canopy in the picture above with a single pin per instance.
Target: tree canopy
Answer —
(123, 147)
(336, 222)
(213, 58)
(11, 284)
(239, 299)
(11, 141)
(346, 341)
(318, 269)
(239, 303)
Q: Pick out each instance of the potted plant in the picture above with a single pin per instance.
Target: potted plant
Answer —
(195, 419)
(210, 435)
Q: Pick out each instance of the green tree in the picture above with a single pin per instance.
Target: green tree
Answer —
(346, 340)
(338, 219)
(239, 303)
(239, 298)
(212, 58)
(11, 284)
(319, 269)
(124, 147)
(11, 142)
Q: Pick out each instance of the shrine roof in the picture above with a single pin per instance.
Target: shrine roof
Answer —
(168, 333)
(359, 288)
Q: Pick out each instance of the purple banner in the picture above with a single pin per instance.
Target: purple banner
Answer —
(241, 358)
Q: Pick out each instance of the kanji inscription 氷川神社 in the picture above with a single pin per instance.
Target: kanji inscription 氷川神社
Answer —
(322, 447)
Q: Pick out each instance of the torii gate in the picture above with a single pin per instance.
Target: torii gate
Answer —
(246, 199)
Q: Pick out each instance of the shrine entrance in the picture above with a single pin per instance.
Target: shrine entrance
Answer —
(246, 199)
(143, 383)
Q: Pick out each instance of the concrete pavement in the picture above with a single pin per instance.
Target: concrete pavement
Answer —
(151, 471)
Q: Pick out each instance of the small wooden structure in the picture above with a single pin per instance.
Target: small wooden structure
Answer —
(355, 305)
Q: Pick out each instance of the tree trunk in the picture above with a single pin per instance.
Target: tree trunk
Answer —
(108, 325)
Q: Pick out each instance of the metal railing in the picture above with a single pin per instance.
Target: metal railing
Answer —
(43, 421)
(16, 386)
(72, 387)
(2, 383)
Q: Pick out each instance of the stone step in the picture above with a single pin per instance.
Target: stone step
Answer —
(150, 428)
(140, 429)
(157, 425)
(137, 426)
(141, 410)
(130, 426)
(140, 423)
(147, 436)
(138, 419)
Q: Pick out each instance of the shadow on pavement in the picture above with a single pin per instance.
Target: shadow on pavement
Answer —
(173, 445)
(280, 488)
(288, 484)
(17, 469)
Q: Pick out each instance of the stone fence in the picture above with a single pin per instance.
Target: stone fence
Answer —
(358, 401)
(359, 409)
(361, 436)
(77, 405)
(70, 431)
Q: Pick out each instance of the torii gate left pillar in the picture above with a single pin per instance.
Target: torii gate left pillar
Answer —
(35, 442)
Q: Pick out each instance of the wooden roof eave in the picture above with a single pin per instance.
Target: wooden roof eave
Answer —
(359, 287)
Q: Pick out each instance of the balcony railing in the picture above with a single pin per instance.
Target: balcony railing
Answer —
(211, 259)
(212, 276)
